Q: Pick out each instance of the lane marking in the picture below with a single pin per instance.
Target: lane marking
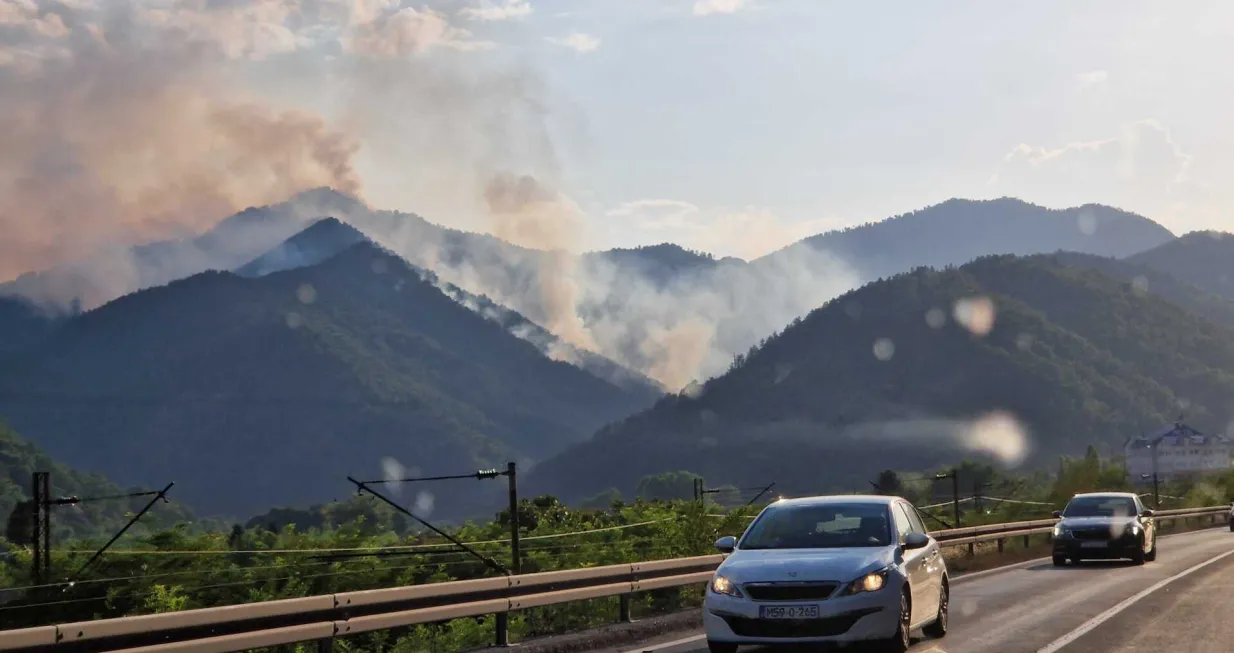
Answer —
(677, 642)
(974, 575)
(1089, 625)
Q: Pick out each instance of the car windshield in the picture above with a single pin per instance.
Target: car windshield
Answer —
(1100, 507)
(822, 526)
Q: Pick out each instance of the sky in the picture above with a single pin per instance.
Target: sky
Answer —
(731, 126)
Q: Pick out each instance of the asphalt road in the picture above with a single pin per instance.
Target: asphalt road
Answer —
(1172, 604)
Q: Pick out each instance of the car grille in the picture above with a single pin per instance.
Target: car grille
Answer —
(790, 591)
(777, 628)
(1094, 534)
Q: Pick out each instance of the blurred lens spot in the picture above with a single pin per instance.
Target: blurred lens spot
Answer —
(884, 349)
(782, 371)
(975, 314)
(1087, 222)
(1140, 284)
(392, 470)
(853, 309)
(999, 434)
(424, 503)
(936, 318)
(307, 294)
(1024, 341)
(380, 266)
(294, 320)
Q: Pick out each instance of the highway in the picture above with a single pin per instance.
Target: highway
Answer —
(1173, 604)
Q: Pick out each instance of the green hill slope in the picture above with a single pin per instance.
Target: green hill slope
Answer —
(873, 380)
(269, 391)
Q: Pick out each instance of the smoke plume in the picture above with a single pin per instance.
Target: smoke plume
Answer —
(122, 124)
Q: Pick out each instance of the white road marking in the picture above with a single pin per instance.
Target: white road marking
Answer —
(1087, 626)
(677, 642)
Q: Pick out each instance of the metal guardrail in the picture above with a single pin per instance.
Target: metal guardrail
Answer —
(321, 618)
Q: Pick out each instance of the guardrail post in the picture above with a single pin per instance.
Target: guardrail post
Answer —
(325, 645)
(972, 549)
(1026, 542)
(503, 629)
(624, 609)
(1000, 544)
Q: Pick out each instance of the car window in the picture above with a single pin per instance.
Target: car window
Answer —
(914, 520)
(903, 525)
(820, 526)
(1100, 507)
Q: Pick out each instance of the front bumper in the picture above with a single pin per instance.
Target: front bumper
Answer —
(1110, 548)
(871, 615)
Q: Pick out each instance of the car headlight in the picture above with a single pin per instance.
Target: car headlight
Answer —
(722, 585)
(1061, 533)
(871, 582)
(1131, 528)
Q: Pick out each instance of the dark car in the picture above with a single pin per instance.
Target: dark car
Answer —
(1105, 526)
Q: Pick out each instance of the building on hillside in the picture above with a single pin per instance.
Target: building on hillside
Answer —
(1176, 451)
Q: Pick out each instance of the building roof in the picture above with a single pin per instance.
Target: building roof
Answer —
(1177, 435)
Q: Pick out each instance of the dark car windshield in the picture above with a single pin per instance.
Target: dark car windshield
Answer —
(1100, 507)
(825, 526)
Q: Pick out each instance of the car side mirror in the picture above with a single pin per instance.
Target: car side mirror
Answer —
(916, 541)
(1057, 514)
(1147, 512)
(726, 544)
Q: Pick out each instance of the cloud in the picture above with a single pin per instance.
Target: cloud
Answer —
(1140, 167)
(1092, 78)
(492, 12)
(708, 7)
(577, 41)
(747, 233)
(409, 31)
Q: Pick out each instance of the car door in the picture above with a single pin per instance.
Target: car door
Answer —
(933, 556)
(915, 568)
(1149, 524)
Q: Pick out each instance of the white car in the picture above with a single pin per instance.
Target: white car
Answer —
(828, 569)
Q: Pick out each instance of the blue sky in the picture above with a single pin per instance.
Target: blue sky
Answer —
(735, 126)
(813, 115)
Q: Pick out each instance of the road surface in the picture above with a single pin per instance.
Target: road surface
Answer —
(1180, 602)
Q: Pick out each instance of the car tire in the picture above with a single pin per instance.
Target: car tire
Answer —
(900, 641)
(1152, 553)
(938, 629)
(1137, 556)
(1059, 561)
(721, 647)
(1232, 525)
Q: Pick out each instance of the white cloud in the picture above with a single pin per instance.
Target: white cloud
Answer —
(489, 11)
(1140, 168)
(747, 233)
(708, 7)
(1092, 78)
(577, 41)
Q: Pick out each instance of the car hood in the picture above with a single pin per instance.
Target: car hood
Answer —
(1115, 524)
(788, 565)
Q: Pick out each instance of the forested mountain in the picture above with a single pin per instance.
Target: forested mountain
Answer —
(20, 458)
(1202, 258)
(319, 241)
(958, 231)
(23, 326)
(886, 377)
(269, 391)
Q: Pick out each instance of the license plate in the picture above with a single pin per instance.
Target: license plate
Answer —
(788, 611)
(1092, 545)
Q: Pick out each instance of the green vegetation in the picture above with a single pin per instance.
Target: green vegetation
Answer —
(173, 569)
(1075, 356)
(1202, 258)
(257, 392)
(19, 459)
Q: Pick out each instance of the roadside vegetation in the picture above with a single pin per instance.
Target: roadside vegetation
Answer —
(363, 544)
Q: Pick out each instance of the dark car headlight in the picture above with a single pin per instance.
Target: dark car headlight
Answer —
(871, 582)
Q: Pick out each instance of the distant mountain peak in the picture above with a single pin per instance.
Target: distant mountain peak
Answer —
(323, 239)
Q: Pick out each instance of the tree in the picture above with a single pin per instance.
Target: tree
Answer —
(889, 483)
